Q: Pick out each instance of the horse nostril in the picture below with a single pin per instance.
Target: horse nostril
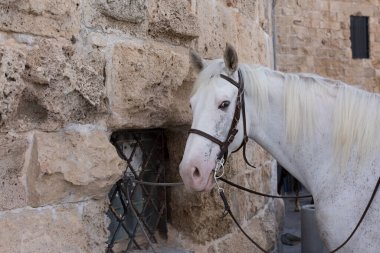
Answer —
(196, 173)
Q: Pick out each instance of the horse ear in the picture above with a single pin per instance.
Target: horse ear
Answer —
(230, 58)
(196, 60)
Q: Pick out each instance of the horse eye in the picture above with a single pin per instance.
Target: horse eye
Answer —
(224, 105)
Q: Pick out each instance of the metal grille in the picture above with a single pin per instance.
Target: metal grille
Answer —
(138, 211)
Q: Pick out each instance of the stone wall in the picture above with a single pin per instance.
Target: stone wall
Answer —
(73, 71)
(314, 36)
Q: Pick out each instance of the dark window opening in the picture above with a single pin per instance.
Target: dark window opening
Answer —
(359, 37)
(138, 211)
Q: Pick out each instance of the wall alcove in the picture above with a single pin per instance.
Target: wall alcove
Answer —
(138, 212)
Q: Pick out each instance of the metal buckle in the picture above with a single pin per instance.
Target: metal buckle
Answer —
(219, 172)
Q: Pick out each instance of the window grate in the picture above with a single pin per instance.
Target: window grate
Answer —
(138, 211)
(359, 37)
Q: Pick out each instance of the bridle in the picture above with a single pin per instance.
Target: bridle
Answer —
(239, 109)
(222, 156)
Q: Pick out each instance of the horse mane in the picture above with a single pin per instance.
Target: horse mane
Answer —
(356, 126)
(356, 115)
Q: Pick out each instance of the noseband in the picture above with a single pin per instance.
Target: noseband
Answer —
(239, 109)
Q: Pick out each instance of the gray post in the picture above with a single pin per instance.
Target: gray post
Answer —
(310, 239)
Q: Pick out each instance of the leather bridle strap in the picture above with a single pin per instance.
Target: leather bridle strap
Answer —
(207, 136)
(239, 109)
(245, 139)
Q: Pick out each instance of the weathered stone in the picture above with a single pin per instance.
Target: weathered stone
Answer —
(143, 78)
(61, 228)
(115, 18)
(113, 64)
(58, 18)
(57, 84)
(242, 31)
(253, 47)
(124, 10)
(84, 70)
(245, 7)
(218, 23)
(12, 152)
(96, 224)
(262, 230)
(173, 18)
(198, 216)
(71, 166)
(12, 62)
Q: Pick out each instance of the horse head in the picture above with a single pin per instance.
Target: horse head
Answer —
(213, 103)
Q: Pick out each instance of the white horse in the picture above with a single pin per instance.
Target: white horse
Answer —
(324, 132)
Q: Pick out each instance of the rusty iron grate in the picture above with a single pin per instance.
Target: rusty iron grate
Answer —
(138, 211)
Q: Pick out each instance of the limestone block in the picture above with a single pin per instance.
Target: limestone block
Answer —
(58, 83)
(218, 24)
(198, 215)
(116, 17)
(51, 61)
(143, 80)
(253, 43)
(96, 224)
(12, 62)
(262, 228)
(62, 228)
(246, 7)
(124, 10)
(246, 205)
(221, 24)
(71, 166)
(58, 18)
(173, 18)
(12, 153)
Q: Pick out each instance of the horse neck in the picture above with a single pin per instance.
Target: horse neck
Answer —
(300, 157)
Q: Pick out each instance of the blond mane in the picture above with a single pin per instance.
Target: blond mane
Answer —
(356, 126)
(356, 115)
